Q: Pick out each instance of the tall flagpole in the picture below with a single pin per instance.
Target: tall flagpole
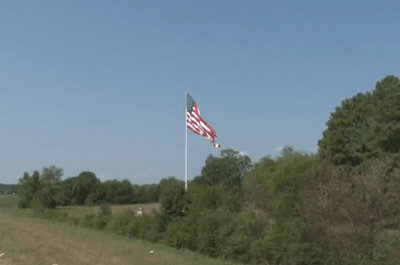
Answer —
(185, 141)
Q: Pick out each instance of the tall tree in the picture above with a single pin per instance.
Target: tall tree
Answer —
(50, 180)
(87, 184)
(118, 192)
(227, 170)
(66, 191)
(28, 186)
(365, 126)
(52, 174)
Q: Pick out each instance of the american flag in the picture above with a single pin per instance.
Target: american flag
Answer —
(196, 123)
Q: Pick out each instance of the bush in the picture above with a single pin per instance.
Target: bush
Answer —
(103, 216)
(89, 201)
(120, 221)
(236, 237)
(55, 216)
(260, 251)
(207, 235)
(46, 197)
(37, 208)
(203, 197)
(182, 234)
(23, 203)
(174, 200)
(142, 227)
(87, 220)
(351, 210)
(74, 220)
(387, 249)
(289, 241)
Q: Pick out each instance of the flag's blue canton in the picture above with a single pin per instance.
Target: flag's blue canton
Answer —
(189, 103)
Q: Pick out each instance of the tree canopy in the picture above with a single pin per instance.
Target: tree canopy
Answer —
(227, 170)
(365, 126)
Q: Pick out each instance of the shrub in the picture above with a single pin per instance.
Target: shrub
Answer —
(260, 251)
(142, 227)
(352, 210)
(87, 220)
(174, 205)
(37, 208)
(120, 221)
(203, 197)
(387, 249)
(103, 216)
(236, 237)
(55, 216)
(74, 220)
(182, 234)
(23, 203)
(89, 201)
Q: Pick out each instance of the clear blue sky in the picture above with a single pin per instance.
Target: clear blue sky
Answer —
(99, 85)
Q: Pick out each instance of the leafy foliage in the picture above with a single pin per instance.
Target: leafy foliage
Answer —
(118, 192)
(365, 126)
(353, 210)
(174, 203)
(85, 185)
(103, 217)
(227, 170)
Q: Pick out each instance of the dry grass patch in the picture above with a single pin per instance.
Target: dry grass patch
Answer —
(31, 241)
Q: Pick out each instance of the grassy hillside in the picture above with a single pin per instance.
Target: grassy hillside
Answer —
(26, 240)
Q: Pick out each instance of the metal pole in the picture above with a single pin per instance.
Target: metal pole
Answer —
(185, 141)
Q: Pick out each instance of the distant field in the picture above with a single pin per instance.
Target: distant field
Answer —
(8, 201)
(32, 241)
(80, 211)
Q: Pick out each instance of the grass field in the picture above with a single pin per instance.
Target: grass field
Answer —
(80, 211)
(31, 241)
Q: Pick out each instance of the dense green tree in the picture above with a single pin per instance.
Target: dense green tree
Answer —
(227, 170)
(277, 184)
(52, 175)
(164, 183)
(87, 184)
(111, 188)
(118, 192)
(66, 192)
(43, 188)
(174, 202)
(274, 190)
(365, 126)
(50, 180)
(46, 196)
(28, 186)
(205, 197)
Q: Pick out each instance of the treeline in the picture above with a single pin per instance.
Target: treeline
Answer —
(338, 206)
(48, 189)
(8, 189)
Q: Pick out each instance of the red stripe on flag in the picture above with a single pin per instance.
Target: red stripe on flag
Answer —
(198, 125)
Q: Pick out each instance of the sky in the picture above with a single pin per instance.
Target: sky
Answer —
(100, 85)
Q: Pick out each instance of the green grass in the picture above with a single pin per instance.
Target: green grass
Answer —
(32, 241)
(8, 201)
